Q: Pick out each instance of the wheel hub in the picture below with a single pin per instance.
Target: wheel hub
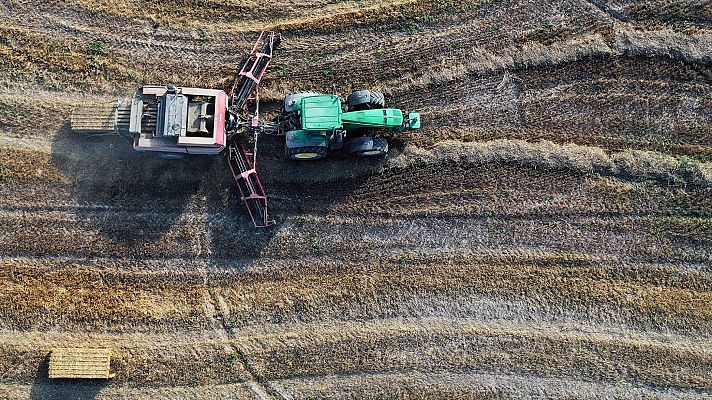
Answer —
(306, 155)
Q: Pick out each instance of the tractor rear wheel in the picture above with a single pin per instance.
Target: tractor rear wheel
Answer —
(366, 146)
(306, 152)
(365, 100)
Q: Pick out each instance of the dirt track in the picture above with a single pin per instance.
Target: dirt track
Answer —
(547, 234)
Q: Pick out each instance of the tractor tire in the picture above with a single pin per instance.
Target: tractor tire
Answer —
(295, 97)
(365, 100)
(306, 153)
(366, 146)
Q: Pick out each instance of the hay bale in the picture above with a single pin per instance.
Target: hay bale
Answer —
(80, 363)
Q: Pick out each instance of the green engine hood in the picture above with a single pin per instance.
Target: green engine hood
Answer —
(378, 118)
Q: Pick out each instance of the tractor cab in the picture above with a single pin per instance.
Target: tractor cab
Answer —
(320, 113)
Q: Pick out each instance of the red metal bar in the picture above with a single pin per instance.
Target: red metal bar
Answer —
(253, 70)
(245, 91)
(252, 194)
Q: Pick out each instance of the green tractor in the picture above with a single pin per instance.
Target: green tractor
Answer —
(315, 123)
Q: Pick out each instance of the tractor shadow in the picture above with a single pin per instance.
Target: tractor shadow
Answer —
(135, 199)
(44, 388)
(294, 188)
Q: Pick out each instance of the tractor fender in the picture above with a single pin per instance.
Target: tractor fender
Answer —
(302, 138)
(293, 101)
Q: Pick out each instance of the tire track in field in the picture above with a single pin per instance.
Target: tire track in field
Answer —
(217, 312)
(214, 313)
(264, 342)
(437, 49)
(258, 386)
(451, 341)
(643, 244)
(478, 384)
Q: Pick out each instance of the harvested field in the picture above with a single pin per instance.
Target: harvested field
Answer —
(546, 234)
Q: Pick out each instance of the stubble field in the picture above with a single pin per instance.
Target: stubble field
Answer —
(547, 234)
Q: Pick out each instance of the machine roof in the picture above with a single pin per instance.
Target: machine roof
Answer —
(321, 112)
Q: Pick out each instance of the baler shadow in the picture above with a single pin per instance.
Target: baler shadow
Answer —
(131, 198)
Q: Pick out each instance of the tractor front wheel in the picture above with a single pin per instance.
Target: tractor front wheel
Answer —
(365, 100)
(306, 153)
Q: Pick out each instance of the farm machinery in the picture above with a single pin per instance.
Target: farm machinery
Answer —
(174, 122)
